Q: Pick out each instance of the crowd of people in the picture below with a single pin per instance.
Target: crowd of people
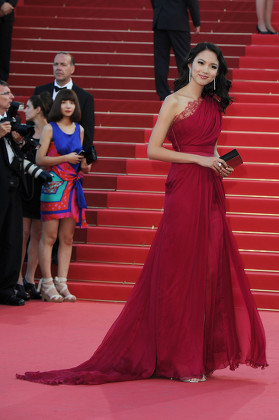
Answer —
(50, 211)
(191, 311)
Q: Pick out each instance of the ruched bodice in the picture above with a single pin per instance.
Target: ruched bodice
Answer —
(197, 127)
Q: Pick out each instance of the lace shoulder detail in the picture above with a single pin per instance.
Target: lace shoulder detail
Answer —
(190, 109)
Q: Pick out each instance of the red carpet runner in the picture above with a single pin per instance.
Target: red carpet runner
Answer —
(113, 48)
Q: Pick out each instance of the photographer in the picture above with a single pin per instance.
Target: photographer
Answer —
(10, 210)
(36, 112)
(13, 166)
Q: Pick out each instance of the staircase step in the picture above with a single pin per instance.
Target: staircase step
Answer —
(253, 109)
(120, 135)
(151, 219)
(123, 150)
(155, 201)
(251, 86)
(248, 170)
(204, 4)
(99, 235)
(218, 26)
(253, 62)
(120, 236)
(157, 184)
(111, 254)
(46, 32)
(258, 75)
(267, 300)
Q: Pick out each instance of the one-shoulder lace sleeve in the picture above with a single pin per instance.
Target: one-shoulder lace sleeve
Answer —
(190, 109)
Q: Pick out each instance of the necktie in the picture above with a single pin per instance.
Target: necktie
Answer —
(57, 88)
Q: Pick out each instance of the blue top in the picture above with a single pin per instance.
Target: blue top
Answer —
(66, 143)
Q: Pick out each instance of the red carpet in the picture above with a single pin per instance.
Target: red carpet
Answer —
(42, 336)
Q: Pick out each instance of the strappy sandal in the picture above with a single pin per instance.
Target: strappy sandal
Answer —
(62, 288)
(48, 291)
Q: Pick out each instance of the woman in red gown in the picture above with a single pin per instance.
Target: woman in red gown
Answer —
(191, 311)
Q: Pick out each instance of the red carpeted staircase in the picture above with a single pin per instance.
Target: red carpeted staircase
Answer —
(112, 44)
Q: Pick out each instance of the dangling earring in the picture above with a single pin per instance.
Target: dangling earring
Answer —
(214, 84)
(189, 75)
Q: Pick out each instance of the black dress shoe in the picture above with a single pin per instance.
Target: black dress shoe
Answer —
(30, 288)
(263, 32)
(272, 33)
(12, 300)
(20, 292)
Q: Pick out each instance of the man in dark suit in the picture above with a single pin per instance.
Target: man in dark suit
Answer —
(6, 29)
(10, 208)
(63, 68)
(171, 30)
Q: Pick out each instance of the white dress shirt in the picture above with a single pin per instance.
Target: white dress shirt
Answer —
(69, 85)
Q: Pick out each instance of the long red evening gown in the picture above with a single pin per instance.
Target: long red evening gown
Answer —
(191, 311)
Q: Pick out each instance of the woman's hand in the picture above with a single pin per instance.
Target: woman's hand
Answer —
(218, 165)
(73, 158)
(84, 167)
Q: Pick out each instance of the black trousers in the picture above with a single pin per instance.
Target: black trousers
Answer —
(164, 40)
(10, 241)
(6, 29)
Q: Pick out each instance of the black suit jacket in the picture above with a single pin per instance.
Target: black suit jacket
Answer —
(5, 168)
(86, 102)
(172, 15)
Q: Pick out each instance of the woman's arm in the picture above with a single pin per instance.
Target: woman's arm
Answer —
(155, 149)
(43, 160)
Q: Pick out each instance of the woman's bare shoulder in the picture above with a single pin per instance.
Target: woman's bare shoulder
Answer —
(170, 104)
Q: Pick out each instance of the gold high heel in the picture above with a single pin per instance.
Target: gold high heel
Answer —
(61, 286)
(48, 291)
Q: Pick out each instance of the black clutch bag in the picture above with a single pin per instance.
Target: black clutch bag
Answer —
(232, 158)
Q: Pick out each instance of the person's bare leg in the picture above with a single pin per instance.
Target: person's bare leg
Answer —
(66, 235)
(261, 11)
(48, 237)
(268, 15)
(26, 233)
(46, 285)
(33, 250)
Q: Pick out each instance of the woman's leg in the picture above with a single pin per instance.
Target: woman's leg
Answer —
(26, 233)
(49, 235)
(261, 12)
(33, 250)
(66, 235)
(268, 15)
(46, 285)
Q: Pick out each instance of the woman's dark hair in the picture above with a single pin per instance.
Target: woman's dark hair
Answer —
(64, 95)
(44, 101)
(222, 83)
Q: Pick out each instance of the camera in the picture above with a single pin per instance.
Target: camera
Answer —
(20, 165)
(25, 130)
(36, 172)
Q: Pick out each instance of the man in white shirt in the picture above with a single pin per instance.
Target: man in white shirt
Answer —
(63, 69)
